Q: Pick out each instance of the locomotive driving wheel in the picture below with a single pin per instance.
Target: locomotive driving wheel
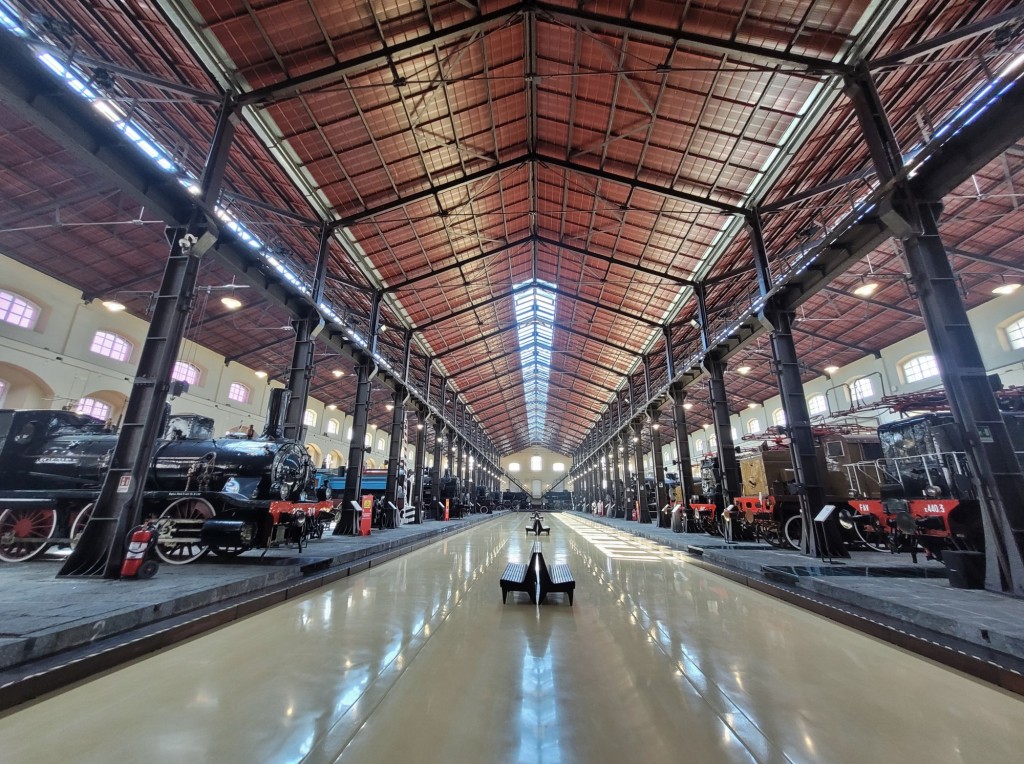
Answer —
(180, 526)
(793, 531)
(79, 523)
(873, 536)
(24, 532)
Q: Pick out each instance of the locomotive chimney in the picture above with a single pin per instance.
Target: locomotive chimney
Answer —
(280, 397)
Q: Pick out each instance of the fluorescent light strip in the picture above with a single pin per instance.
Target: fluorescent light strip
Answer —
(76, 80)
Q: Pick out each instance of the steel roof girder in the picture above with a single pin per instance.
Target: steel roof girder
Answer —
(334, 73)
(431, 191)
(458, 264)
(654, 188)
(612, 261)
(691, 40)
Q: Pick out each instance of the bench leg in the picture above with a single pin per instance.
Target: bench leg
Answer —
(504, 594)
(570, 597)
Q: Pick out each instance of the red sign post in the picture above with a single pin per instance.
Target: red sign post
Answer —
(366, 519)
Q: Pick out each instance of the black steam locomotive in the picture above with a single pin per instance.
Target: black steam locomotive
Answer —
(226, 494)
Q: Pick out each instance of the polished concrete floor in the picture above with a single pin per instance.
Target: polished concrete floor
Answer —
(418, 661)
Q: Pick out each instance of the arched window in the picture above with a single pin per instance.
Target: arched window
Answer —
(735, 435)
(94, 408)
(238, 392)
(332, 426)
(1015, 334)
(17, 310)
(861, 389)
(367, 441)
(513, 466)
(111, 345)
(698, 445)
(536, 463)
(558, 467)
(380, 444)
(754, 426)
(309, 418)
(779, 418)
(816, 405)
(185, 372)
(713, 443)
(3, 391)
(349, 436)
(920, 367)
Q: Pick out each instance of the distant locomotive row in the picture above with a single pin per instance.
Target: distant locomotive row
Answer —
(203, 494)
(901, 487)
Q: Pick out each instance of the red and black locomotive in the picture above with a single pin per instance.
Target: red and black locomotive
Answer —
(222, 494)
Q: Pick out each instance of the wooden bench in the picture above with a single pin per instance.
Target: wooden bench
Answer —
(519, 577)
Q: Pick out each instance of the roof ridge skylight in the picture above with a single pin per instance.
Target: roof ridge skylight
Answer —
(535, 317)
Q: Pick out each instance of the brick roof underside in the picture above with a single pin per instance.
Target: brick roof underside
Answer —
(605, 151)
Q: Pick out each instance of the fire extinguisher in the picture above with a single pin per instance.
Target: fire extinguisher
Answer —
(138, 561)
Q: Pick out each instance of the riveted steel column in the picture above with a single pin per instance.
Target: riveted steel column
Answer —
(419, 460)
(118, 507)
(658, 460)
(805, 463)
(643, 515)
(435, 495)
(365, 372)
(459, 465)
(727, 461)
(617, 483)
(678, 393)
(807, 471)
(300, 374)
(995, 471)
(395, 470)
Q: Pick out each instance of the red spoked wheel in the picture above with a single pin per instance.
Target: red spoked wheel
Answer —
(25, 533)
(180, 527)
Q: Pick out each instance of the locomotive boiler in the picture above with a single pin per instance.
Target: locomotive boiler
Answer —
(226, 494)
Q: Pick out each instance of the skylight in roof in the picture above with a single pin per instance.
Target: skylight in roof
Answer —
(535, 315)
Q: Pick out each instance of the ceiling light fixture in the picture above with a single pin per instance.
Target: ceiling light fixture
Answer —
(390, 406)
(261, 374)
(687, 406)
(113, 306)
(231, 303)
(338, 373)
(743, 369)
(1001, 289)
(866, 289)
(831, 369)
(751, 405)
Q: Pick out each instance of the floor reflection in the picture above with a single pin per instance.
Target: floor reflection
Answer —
(418, 660)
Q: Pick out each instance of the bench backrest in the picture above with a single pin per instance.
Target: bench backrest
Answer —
(543, 576)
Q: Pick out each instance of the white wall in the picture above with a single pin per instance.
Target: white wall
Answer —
(51, 366)
(546, 475)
